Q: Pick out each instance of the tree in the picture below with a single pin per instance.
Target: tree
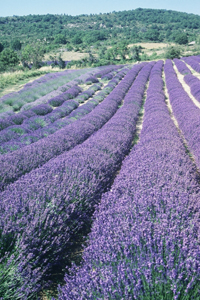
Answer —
(69, 47)
(172, 53)
(16, 45)
(57, 62)
(76, 40)
(181, 39)
(152, 35)
(135, 52)
(60, 39)
(123, 50)
(9, 58)
(1, 47)
(94, 36)
(32, 54)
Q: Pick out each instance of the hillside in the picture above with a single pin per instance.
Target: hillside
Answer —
(133, 26)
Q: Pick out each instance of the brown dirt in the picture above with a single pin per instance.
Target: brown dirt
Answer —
(193, 71)
(70, 55)
(152, 46)
(17, 86)
(169, 104)
(174, 119)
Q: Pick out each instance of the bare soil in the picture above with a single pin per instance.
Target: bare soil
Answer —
(174, 119)
(185, 86)
(69, 55)
(152, 46)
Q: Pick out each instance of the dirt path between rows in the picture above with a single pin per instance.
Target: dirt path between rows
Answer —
(167, 101)
(185, 86)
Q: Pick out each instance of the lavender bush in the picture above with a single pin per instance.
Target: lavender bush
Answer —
(60, 197)
(91, 79)
(42, 109)
(43, 86)
(69, 94)
(144, 238)
(194, 84)
(32, 156)
(181, 66)
(185, 111)
(197, 58)
(192, 62)
(40, 128)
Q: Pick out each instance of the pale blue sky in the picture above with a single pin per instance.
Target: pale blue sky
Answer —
(77, 7)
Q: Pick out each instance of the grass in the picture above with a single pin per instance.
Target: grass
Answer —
(14, 81)
(68, 55)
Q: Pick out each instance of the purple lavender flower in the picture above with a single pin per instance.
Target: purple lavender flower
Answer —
(45, 210)
(144, 239)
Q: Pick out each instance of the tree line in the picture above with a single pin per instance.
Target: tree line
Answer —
(25, 39)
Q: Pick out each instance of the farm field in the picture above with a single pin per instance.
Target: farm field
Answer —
(100, 185)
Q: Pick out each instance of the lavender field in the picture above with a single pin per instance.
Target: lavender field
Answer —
(100, 184)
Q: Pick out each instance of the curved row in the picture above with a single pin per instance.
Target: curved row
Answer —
(144, 239)
(194, 84)
(64, 115)
(109, 69)
(45, 218)
(181, 66)
(43, 116)
(196, 57)
(21, 161)
(43, 89)
(39, 110)
(40, 93)
(184, 110)
(77, 80)
(192, 62)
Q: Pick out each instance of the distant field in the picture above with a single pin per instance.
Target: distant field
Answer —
(160, 48)
(70, 55)
(152, 46)
(14, 81)
(108, 158)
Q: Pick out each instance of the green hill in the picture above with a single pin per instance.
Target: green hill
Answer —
(134, 25)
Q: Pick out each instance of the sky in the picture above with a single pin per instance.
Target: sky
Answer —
(77, 7)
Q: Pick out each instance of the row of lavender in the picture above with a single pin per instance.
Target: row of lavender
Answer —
(50, 85)
(181, 66)
(193, 62)
(41, 110)
(79, 80)
(45, 88)
(55, 101)
(144, 239)
(43, 213)
(194, 84)
(44, 109)
(35, 128)
(185, 111)
(192, 81)
(34, 155)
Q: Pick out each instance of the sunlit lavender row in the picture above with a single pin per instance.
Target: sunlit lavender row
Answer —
(181, 66)
(192, 63)
(185, 111)
(43, 89)
(99, 184)
(34, 155)
(194, 84)
(60, 196)
(144, 239)
(33, 120)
